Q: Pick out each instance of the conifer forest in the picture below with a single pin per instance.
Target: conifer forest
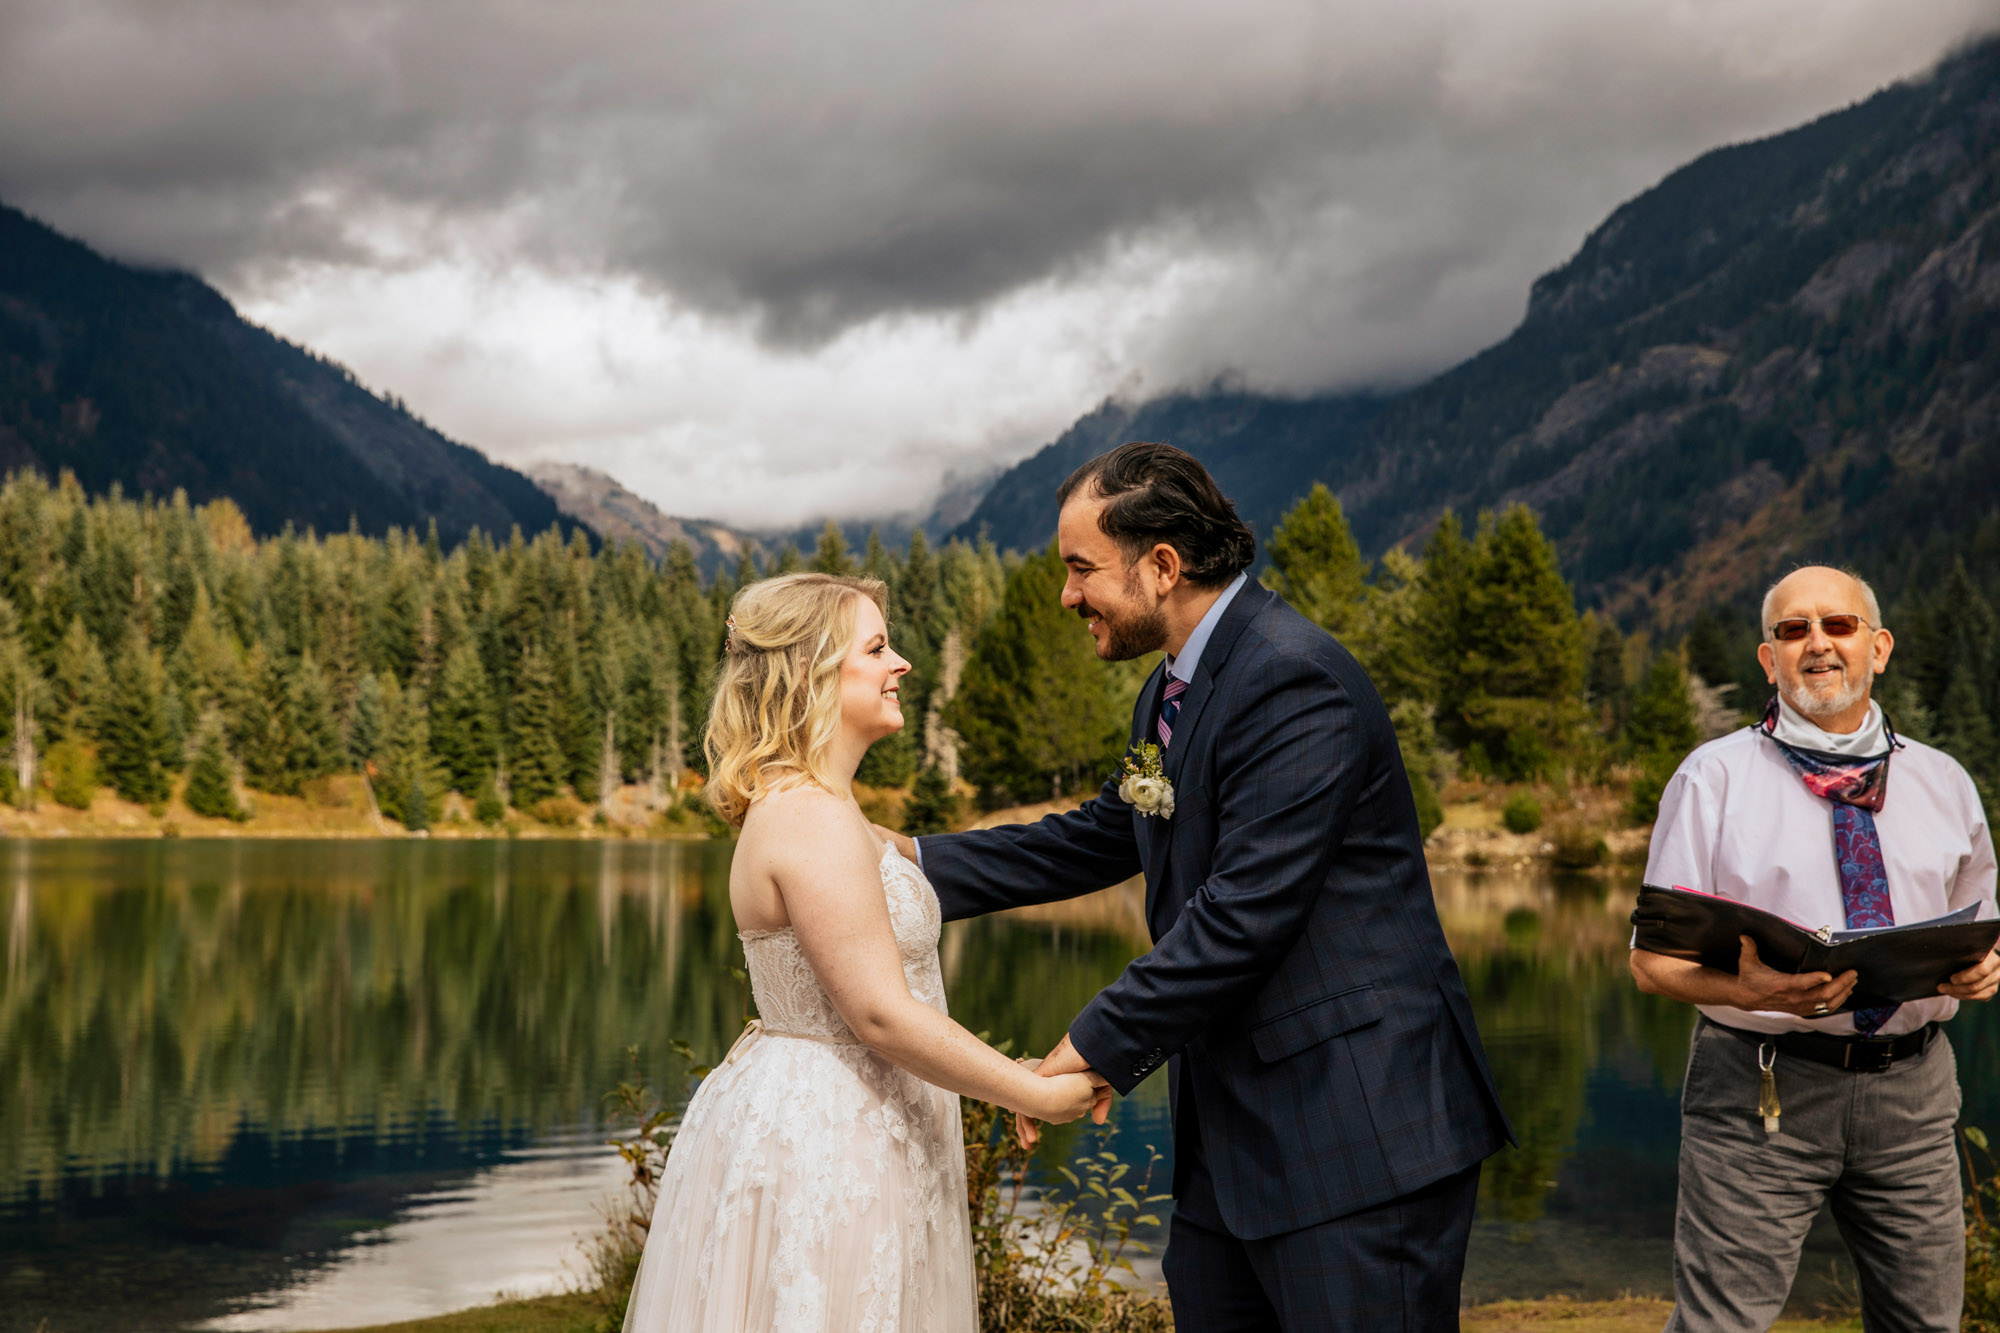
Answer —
(164, 651)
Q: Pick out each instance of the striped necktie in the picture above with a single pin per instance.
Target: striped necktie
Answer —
(1170, 708)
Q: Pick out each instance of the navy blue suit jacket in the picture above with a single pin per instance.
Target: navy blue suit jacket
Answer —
(1299, 978)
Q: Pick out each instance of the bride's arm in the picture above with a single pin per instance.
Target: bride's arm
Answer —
(829, 871)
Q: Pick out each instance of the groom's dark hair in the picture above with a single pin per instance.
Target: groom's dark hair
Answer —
(1158, 493)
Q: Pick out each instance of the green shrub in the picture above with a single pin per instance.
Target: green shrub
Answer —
(1578, 845)
(71, 772)
(562, 810)
(1522, 813)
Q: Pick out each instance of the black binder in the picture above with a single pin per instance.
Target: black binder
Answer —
(1895, 963)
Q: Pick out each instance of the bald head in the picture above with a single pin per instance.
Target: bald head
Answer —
(1824, 675)
(1817, 582)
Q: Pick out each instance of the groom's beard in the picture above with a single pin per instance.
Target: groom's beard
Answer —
(1135, 634)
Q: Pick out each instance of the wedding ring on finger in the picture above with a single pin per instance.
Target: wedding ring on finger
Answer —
(1820, 1010)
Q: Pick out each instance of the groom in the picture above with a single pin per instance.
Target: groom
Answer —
(1330, 1099)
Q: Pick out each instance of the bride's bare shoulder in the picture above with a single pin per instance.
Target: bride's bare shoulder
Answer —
(806, 821)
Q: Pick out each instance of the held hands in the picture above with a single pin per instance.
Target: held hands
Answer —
(1977, 982)
(1060, 1064)
(1807, 994)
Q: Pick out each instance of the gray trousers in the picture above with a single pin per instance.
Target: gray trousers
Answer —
(1879, 1146)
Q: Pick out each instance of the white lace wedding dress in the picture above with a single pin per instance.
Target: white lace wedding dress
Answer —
(814, 1186)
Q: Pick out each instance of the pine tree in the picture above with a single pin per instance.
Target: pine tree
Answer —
(789, 561)
(411, 784)
(364, 726)
(1522, 663)
(1662, 718)
(312, 738)
(464, 731)
(832, 556)
(136, 743)
(211, 781)
(932, 808)
(1315, 564)
(536, 765)
(1965, 731)
(79, 684)
(1035, 708)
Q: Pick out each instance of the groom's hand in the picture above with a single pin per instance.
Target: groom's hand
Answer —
(905, 844)
(1064, 1059)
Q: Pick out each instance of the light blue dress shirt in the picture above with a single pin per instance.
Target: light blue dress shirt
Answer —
(1181, 666)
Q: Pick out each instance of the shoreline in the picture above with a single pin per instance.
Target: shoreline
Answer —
(1583, 832)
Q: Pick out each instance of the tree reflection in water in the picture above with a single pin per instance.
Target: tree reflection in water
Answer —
(224, 1064)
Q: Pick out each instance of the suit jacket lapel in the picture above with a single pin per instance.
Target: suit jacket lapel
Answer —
(1143, 730)
(1250, 599)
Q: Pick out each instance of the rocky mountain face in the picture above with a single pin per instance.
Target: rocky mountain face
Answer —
(151, 381)
(1786, 350)
(601, 503)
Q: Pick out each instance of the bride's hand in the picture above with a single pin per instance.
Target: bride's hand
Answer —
(1063, 1098)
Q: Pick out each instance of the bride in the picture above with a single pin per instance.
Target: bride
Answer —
(818, 1179)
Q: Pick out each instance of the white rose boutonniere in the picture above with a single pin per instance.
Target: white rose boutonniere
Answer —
(1145, 787)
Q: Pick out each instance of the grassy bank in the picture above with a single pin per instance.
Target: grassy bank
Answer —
(1485, 825)
(580, 1314)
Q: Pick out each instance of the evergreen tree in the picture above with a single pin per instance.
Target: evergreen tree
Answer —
(411, 784)
(832, 556)
(312, 738)
(487, 807)
(1522, 664)
(932, 808)
(79, 684)
(464, 731)
(536, 766)
(364, 726)
(789, 561)
(136, 743)
(1315, 564)
(1035, 709)
(1604, 675)
(211, 782)
(1662, 717)
(1965, 729)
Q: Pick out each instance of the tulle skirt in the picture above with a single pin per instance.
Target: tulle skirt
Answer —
(813, 1188)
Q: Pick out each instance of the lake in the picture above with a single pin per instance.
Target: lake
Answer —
(291, 1084)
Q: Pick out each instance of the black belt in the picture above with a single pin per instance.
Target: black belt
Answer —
(1863, 1055)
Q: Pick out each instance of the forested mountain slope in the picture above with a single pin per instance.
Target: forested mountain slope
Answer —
(152, 381)
(1786, 349)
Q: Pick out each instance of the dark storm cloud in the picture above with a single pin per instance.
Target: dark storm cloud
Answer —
(816, 165)
(773, 259)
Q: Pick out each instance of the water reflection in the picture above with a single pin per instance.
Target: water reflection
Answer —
(286, 1084)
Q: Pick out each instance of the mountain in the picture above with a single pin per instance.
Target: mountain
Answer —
(602, 504)
(1787, 349)
(150, 380)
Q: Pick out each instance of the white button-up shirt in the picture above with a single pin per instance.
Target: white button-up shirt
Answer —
(1737, 820)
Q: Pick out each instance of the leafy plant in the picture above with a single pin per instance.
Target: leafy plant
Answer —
(1522, 813)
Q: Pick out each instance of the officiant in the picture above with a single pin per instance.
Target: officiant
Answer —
(1820, 813)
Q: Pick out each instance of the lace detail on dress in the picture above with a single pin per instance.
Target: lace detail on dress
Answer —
(815, 1186)
(788, 994)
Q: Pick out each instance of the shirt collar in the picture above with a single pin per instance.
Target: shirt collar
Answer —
(1182, 667)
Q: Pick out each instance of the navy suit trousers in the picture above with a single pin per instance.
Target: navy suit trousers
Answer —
(1393, 1268)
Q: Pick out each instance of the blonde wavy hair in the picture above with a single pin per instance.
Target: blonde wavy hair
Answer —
(777, 695)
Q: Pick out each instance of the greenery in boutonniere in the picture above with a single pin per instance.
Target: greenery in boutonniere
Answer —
(1145, 787)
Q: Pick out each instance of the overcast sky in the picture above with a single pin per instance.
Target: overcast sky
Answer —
(766, 260)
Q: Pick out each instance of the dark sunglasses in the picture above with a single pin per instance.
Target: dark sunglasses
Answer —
(1836, 627)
